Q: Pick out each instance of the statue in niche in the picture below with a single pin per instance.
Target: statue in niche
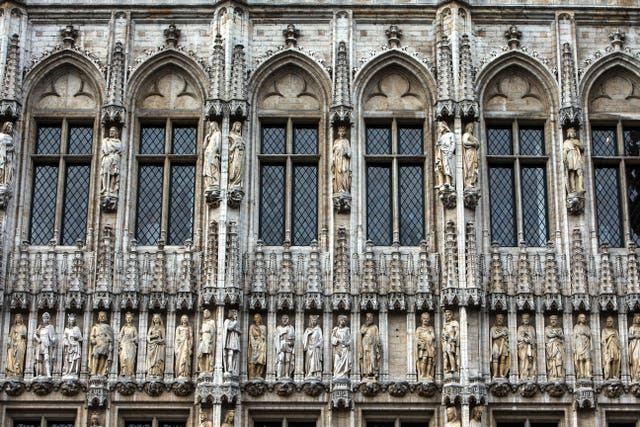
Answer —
(582, 348)
(610, 350)
(231, 340)
(470, 145)
(110, 163)
(46, 340)
(101, 348)
(444, 156)
(573, 159)
(526, 349)
(452, 418)
(449, 341)
(236, 157)
(476, 416)
(204, 420)
(554, 346)
(228, 419)
(634, 348)
(285, 340)
(207, 346)
(183, 348)
(156, 346)
(370, 349)
(72, 345)
(128, 346)
(211, 168)
(6, 154)
(500, 354)
(341, 343)
(341, 163)
(17, 341)
(257, 358)
(312, 344)
(425, 349)
(95, 420)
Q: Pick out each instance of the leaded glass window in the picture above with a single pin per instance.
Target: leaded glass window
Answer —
(395, 183)
(61, 176)
(166, 182)
(517, 167)
(289, 182)
(616, 160)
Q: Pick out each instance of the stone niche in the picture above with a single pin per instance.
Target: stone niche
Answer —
(65, 88)
(616, 90)
(394, 89)
(515, 89)
(292, 89)
(169, 89)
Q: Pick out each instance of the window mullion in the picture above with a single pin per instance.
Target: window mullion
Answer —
(395, 184)
(517, 182)
(623, 184)
(288, 219)
(166, 183)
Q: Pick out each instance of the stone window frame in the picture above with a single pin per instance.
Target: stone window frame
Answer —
(134, 413)
(285, 421)
(44, 417)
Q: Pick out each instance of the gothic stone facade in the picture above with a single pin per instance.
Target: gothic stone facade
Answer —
(168, 164)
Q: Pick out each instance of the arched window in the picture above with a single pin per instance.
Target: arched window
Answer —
(167, 110)
(515, 115)
(63, 110)
(615, 149)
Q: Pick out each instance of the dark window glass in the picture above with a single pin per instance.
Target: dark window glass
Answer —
(149, 212)
(61, 424)
(608, 206)
(26, 424)
(534, 424)
(410, 140)
(604, 142)
(267, 424)
(80, 140)
(378, 140)
(502, 206)
(152, 140)
(171, 424)
(272, 200)
(305, 204)
(301, 423)
(534, 205)
(48, 140)
(137, 424)
(379, 211)
(510, 425)
(184, 140)
(380, 424)
(76, 199)
(273, 139)
(620, 425)
(414, 424)
(181, 203)
(631, 142)
(532, 141)
(499, 141)
(633, 196)
(43, 204)
(411, 205)
(305, 140)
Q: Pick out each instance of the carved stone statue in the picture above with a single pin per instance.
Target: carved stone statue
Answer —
(370, 349)
(128, 346)
(341, 343)
(156, 346)
(204, 420)
(554, 346)
(341, 163)
(449, 342)
(236, 156)
(183, 348)
(573, 150)
(476, 416)
(211, 168)
(257, 358)
(610, 350)
(582, 347)
(101, 349)
(634, 348)
(44, 352)
(527, 349)
(207, 346)
(231, 340)
(500, 354)
(95, 420)
(72, 346)
(6, 154)
(17, 349)
(425, 349)
(444, 156)
(312, 344)
(470, 145)
(452, 418)
(228, 419)
(285, 340)
(110, 163)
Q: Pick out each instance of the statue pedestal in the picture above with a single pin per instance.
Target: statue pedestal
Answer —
(575, 203)
(471, 197)
(447, 195)
(97, 393)
(212, 196)
(341, 396)
(342, 202)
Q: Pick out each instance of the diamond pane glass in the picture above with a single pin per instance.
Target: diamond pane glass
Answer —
(152, 140)
(502, 206)
(274, 140)
(379, 211)
(272, 187)
(633, 194)
(184, 140)
(80, 140)
(43, 204)
(305, 140)
(632, 142)
(410, 140)
(48, 141)
(181, 204)
(26, 424)
(76, 198)
(604, 142)
(305, 204)
(411, 205)
(499, 141)
(608, 206)
(534, 205)
(532, 141)
(61, 424)
(378, 140)
(149, 209)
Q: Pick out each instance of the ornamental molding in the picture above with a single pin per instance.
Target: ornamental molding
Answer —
(148, 54)
(495, 54)
(60, 50)
(284, 50)
(599, 56)
(381, 50)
